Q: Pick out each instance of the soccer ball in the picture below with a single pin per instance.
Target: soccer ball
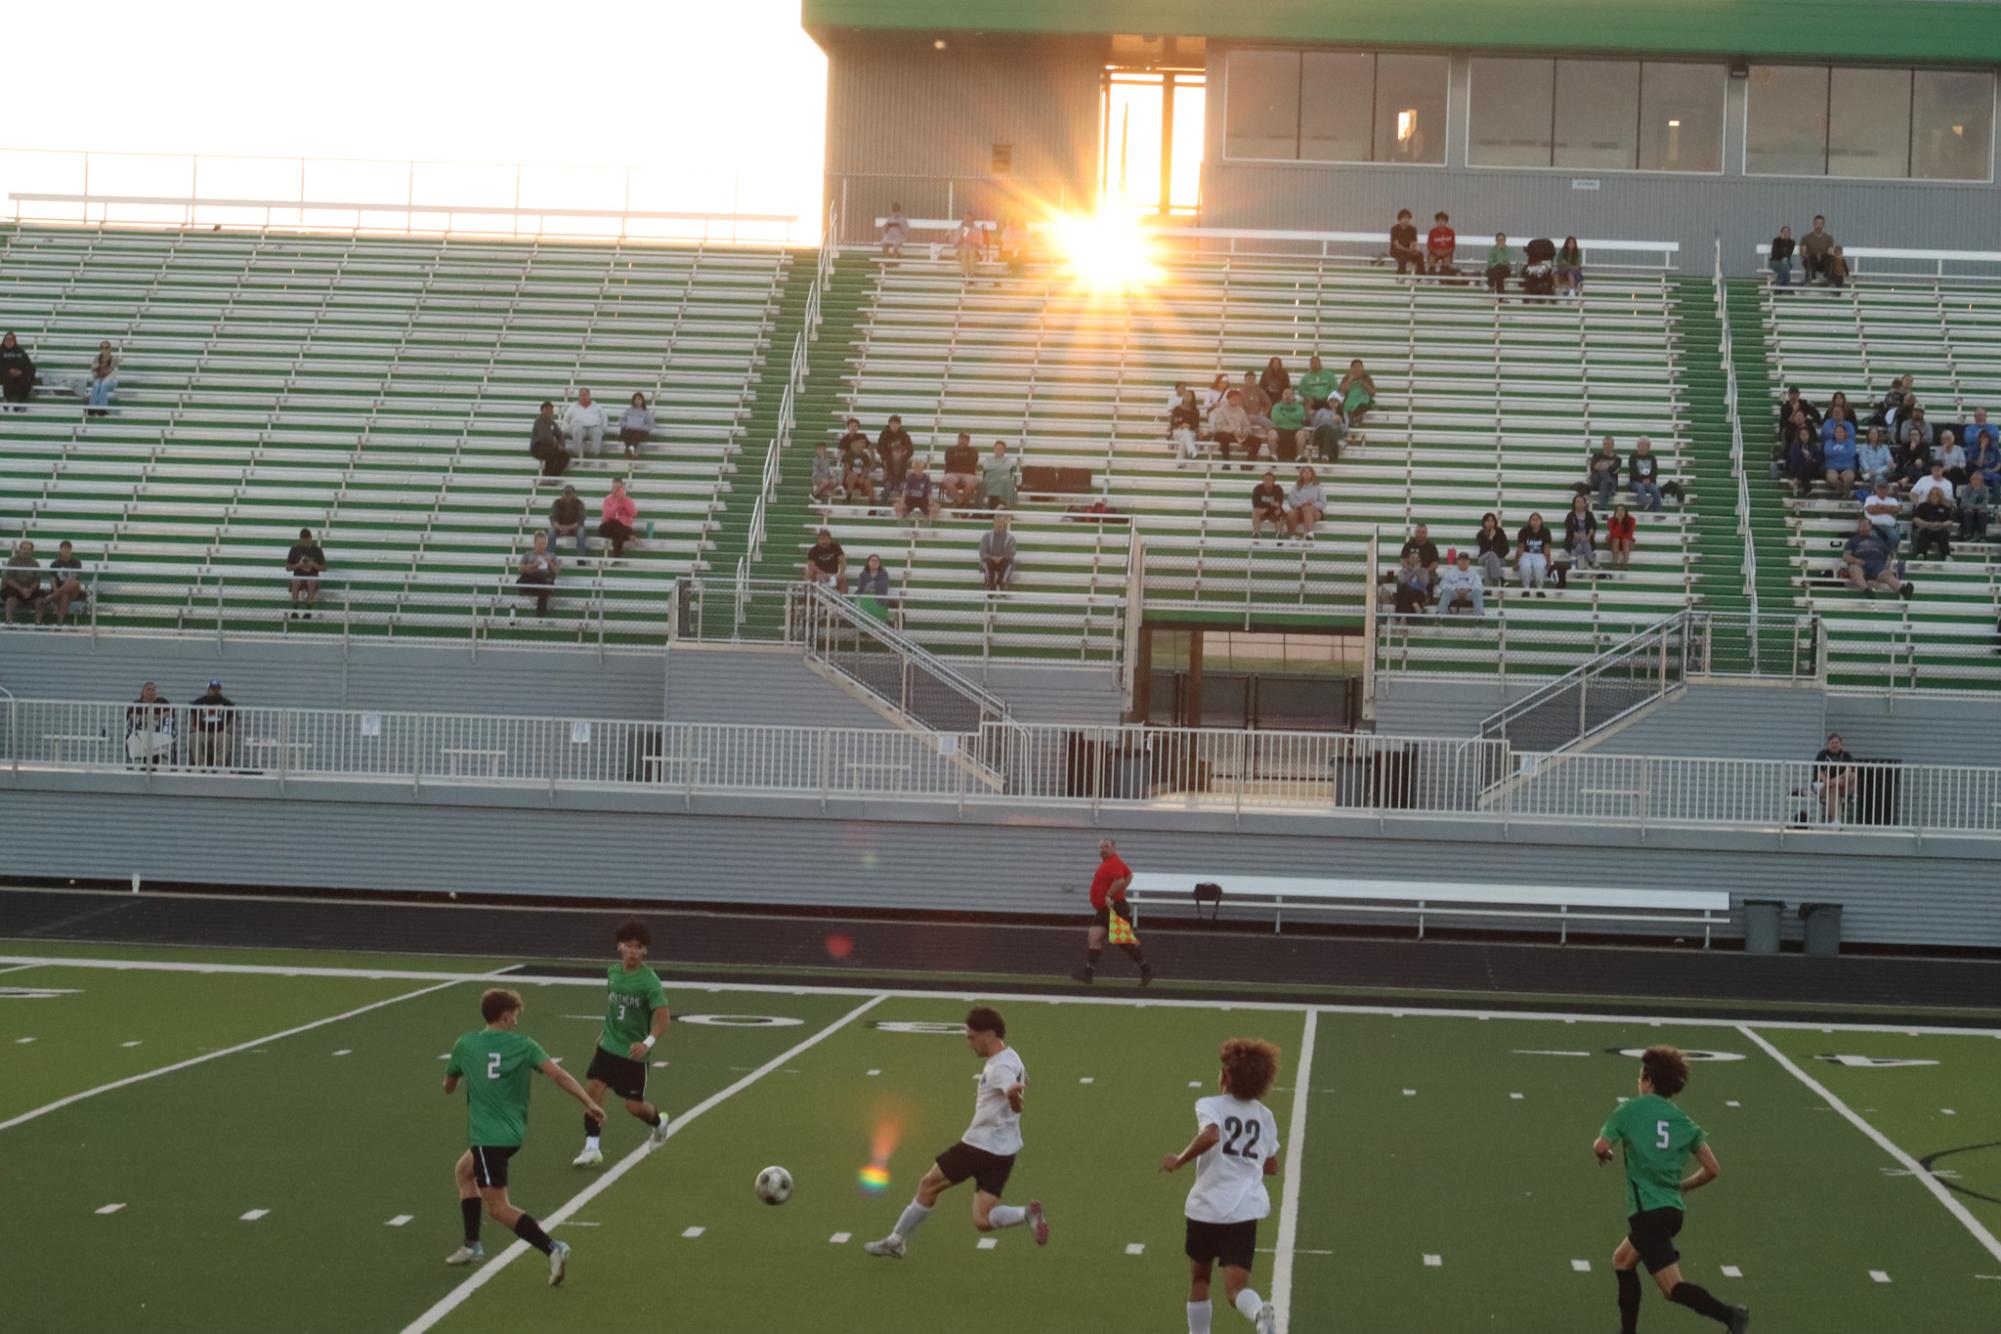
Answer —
(774, 1185)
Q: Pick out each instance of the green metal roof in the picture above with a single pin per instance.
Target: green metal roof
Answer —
(1858, 31)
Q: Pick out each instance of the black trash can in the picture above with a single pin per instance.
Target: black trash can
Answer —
(1761, 925)
(1823, 928)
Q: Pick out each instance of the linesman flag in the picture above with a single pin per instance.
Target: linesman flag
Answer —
(1119, 927)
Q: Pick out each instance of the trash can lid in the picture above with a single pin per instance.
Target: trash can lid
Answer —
(1809, 909)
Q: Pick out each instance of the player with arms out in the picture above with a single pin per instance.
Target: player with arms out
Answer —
(495, 1063)
(987, 1150)
(1659, 1139)
(1235, 1148)
(1111, 916)
(635, 1015)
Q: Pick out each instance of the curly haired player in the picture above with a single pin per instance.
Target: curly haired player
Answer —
(1235, 1148)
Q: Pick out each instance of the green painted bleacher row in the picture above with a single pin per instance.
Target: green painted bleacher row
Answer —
(1948, 337)
(1481, 408)
(378, 392)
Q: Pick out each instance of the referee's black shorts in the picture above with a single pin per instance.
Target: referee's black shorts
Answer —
(621, 1074)
(1233, 1245)
(1103, 916)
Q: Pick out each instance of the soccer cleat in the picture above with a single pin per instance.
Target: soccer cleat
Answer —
(1084, 975)
(559, 1263)
(1038, 1222)
(889, 1248)
(1145, 974)
(1267, 1321)
(466, 1255)
(1740, 1319)
(658, 1134)
(589, 1158)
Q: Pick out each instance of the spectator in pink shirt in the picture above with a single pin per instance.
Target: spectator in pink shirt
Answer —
(619, 511)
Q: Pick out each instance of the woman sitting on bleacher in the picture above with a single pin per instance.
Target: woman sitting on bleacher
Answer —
(1534, 541)
(1841, 459)
(1184, 426)
(1570, 267)
(1275, 380)
(635, 427)
(1952, 456)
(17, 373)
(1805, 463)
(1358, 394)
(1493, 548)
(1873, 461)
(1580, 534)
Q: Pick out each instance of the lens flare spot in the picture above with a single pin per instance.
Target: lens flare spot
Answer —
(840, 946)
(874, 1178)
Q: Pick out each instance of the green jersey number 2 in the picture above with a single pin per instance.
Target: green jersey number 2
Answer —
(493, 1072)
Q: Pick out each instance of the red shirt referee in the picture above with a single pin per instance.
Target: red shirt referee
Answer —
(1108, 896)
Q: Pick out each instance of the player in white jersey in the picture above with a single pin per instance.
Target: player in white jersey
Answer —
(1235, 1148)
(985, 1152)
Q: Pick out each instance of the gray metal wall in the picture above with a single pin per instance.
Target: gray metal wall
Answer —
(1690, 209)
(918, 856)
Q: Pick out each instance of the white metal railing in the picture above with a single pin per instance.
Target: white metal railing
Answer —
(797, 369)
(1303, 773)
(895, 670)
(1904, 262)
(1730, 404)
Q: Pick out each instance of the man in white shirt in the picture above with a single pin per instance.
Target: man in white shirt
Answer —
(1938, 481)
(583, 422)
(1235, 1148)
(985, 1152)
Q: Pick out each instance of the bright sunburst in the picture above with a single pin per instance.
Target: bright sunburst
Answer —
(1108, 250)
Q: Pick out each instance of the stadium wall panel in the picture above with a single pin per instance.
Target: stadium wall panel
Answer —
(915, 856)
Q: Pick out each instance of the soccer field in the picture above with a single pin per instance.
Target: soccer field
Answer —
(232, 1140)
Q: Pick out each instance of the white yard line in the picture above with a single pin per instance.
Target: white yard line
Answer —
(1294, 1149)
(220, 1052)
(1405, 1010)
(452, 1300)
(1883, 1142)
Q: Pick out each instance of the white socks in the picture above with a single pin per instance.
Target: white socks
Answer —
(912, 1218)
(1249, 1304)
(1008, 1215)
(1198, 1317)
(591, 1144)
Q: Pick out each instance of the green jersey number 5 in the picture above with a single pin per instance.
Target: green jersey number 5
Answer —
(1662, 1136)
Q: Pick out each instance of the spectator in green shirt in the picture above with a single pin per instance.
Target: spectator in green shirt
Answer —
(1288, 418)
(1499, 265)
(1000, 480)
(1318, 385)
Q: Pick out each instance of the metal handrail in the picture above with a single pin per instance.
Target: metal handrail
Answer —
(1730, 404)
(832, 621)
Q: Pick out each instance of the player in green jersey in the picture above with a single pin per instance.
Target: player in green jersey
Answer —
(635, 1016)
(1659, 1140)
(495, 1063)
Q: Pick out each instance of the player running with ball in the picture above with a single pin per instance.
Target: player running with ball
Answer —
(635, 1015)
(1659, 1139)
(985, 1152)
(1235, 1148)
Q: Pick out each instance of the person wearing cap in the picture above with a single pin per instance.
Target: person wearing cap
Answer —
(1461, 589)
(209, 719)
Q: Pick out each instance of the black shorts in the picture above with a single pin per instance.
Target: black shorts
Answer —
(989, 1171)
(1103, 916)
(1234, 1245)
(1652, 1233)
(489, 1164)
(621, 1074)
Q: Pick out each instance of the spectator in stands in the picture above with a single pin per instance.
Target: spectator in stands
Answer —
(1535, 543)
(1305, 504)
(1951, 457)
(1866, 561)
(1796, 412)
(872, 588)
(1805, 463)
(545, 442)
(1000, 479)
(1499, 264)
(1441, 244)
(66, 587)
(635, 425)
(1837, 415)
(1404, 248)
(1413, 586)
(566, 519)
(1327, 431)
(536, 574)
(1014, 242)
(961, 483)
(856, 482)
(1841, 460)
(1603, 471)
(1932, 524)
(1319, 385)
(1358, 396)
(1580, 535)
(893, 451)
(1539, 267)
(1883, 509)
(1492, 545)
(22, 584)
(1268, 506)
(1570, 267)
(1835, 777)
(1419, 543)
(1815, 247)
(1873, 462)
(1257, 406)
(1780, 260)
(1976, 507)
(149, 728)
(210, 720)
(918, 496)
(306, 561)
(1275, 379)
(17, 373)
(1213, 396)
(583, 423)
(826, 474)
(968, 240)
(1893, 402)
(1837, 267)
(1915, 438)
(616, 515)
(1643, 474)
(895, 231)
(103, 380)
(826, 562)
(997, 555)
(1620, 529)
(1184, 426)
(1230, 425)
(1982, 442)
(1288, 419)
(854, 441)
(1460, 591)
(1936, 481)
